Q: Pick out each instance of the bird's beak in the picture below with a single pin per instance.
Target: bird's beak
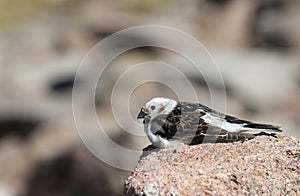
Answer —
(142, 113)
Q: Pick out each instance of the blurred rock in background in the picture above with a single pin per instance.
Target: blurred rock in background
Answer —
(256, 45)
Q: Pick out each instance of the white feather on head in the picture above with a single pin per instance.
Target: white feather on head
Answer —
(160, 105)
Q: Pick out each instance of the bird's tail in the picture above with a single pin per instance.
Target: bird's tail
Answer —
(261, 127)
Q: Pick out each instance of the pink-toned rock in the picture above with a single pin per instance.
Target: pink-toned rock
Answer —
(264, 165)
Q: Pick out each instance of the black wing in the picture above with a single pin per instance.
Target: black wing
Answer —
(187, 108)
(251, 125)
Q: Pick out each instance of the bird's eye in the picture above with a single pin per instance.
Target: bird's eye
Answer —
(152, 107)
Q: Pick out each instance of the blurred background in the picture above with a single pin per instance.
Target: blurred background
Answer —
(255, 43)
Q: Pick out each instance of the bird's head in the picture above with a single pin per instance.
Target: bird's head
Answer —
(156, 106)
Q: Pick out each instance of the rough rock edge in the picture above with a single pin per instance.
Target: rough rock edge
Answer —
(263, 165)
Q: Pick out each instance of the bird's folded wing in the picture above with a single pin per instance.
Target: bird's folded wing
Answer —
(193, 129)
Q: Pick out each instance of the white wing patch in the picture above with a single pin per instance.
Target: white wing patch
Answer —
(231, 127)
(220, 122)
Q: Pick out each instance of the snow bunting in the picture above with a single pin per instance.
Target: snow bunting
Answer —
(167, 122)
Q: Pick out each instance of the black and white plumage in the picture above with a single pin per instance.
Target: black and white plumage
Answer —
(167, 121)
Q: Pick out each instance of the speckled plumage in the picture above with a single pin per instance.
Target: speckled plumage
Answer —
(193, 123)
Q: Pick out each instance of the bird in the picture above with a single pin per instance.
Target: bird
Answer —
(168, 122)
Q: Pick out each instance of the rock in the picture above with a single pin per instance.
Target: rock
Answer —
(63, 84)
(19, 126)
(263, 165)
